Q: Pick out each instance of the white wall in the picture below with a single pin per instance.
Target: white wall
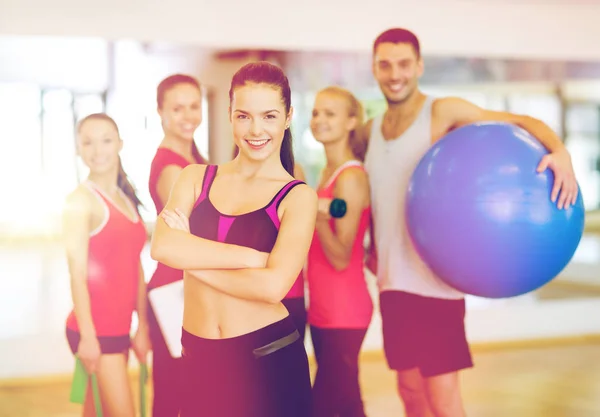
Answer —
(446, 27)
(77, 64)
(523, 318)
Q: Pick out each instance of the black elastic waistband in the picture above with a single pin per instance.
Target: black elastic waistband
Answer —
(260, 342)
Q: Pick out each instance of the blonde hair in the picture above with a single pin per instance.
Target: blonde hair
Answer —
(355, 109)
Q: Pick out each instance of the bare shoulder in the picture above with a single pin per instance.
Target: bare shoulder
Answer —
(353, 179)
(352, 185)
(449, 102)
(449, 113)
(79, 201)
(444, 107)
(302, 192)
(170, 171)
(452, 109)
(192, 174)
(300, 198)
(193, 170)
(78, 211)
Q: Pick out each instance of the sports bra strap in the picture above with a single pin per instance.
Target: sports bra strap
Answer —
(284, 191)
(272, 208)
(349, 164)
(209, 177)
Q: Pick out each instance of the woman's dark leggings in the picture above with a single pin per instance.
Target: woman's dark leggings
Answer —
(260, 374)
(336, 389)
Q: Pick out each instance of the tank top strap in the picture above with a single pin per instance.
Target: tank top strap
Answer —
(209, 177)
(92, 187)
(354, 163)
(427, 108)
(110, 205)
(375, 133)
(105, 202)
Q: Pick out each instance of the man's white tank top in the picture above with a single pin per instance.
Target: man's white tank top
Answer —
(390, 165)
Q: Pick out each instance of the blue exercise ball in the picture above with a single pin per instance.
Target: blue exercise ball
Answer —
(480, 215)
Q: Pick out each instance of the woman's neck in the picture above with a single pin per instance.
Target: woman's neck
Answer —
(180, 146)
(338, 153)
(106, 182)
(248, 168)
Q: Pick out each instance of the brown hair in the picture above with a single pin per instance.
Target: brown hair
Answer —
(170, 82)
(266, 73)
(122, 180)
(398, 35)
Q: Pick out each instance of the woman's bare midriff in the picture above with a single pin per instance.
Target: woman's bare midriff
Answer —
(211, 314)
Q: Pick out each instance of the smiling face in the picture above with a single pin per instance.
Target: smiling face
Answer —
(397, 68)
(181, 111)
(259, 120)
(99, 144)
(331, 118)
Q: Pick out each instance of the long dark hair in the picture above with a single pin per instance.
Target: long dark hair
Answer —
(170, 82)
(266, 73)
(122, 180)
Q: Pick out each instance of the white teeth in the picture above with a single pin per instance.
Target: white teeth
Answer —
(396, 87)
(258, 142)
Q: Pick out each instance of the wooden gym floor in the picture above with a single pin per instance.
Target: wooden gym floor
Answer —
(552, 381)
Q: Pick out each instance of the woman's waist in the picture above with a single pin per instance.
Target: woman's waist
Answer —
(229, 321)
(323, 274)
(318, 261)
(209, 338)
(341, 303)
(107, 322)
(211, 314)
(112, 294)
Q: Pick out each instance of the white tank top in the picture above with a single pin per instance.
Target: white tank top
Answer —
(390, 165)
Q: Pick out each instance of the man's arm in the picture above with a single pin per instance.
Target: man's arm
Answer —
(451, 113)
